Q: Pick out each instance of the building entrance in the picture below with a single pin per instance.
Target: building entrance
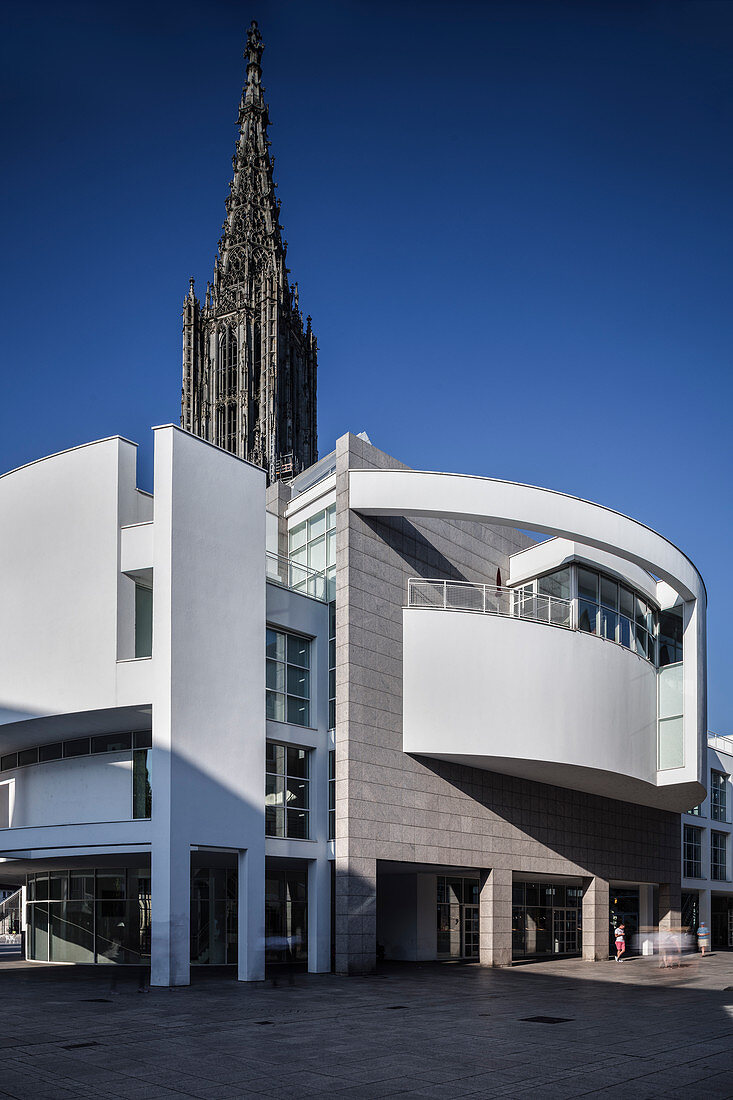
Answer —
(458, 917)
(624, 909)
(546, 919)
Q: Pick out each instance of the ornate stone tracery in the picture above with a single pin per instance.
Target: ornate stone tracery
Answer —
(262, 404)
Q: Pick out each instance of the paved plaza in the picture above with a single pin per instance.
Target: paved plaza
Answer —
(626, 1030)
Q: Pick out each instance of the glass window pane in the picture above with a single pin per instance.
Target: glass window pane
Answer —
(626, 602)
(587, 584)
(609, 593)
(608, 623)
(670, 691)
(112, 742)
(641, 611)
(79, 747)
(298, 762)
(142, 791)
(587, 617)
(297, 536)
(275, 706)
(331, 517)
(298, 824)
(316, 526)
(555, 584)
(298, 651)
(298, 681)
(297, 793)
(317, 554)
(275, 758)
(297, 711)
(331, 548)
(110, 884)
(143, 621)
(275, 675)
(671, 744)
(50, 752)
(298, 557)
(9, 761)
(274, 790)
(624, 631)
(27, 756)
(58, 887)
(274, 821)
(143, 739)
(275, 645)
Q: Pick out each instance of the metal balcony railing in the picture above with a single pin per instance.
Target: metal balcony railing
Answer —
(299, 578)
(491, 600)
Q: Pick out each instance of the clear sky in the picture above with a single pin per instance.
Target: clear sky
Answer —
(510, 221)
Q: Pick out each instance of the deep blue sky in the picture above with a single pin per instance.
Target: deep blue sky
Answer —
(510, 221)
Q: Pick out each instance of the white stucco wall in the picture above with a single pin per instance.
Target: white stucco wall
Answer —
(83, 790)
(59, 578)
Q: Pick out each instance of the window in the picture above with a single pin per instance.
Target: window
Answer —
(615, 612)
(332, 795)
(288, 678)
(718, 861)
(332, 665)
(286, 791)
(696, 811)
(670, 636)
(312, 543)
(718, 801)
(692, 852)
(143, 621)
(81, 746)
(670, 732)
(142, 791)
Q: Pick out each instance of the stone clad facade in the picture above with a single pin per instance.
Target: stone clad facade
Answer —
(394, 808)
(249, 364)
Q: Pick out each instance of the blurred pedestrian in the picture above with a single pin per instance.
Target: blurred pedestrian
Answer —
(703, 937)
(620, 936)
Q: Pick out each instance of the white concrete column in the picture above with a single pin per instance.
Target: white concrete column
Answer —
(495, 918)
(251, 915)
(170, 889)
(646, 919)
(319, 916)
(595, 920)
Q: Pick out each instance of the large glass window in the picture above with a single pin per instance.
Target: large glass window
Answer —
(288, 677)
(287, 796)
(670, 735)
(213, 909)
(142, 791)
(286, 916)
(332, 795)
(312, 543)
(718, 799)
(692, 852)
(718, 856)
(143, 621)
(670, 636)
(546, 918)
(88, 916)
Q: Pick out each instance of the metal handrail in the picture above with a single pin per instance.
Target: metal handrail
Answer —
(299, 578)
(490, 599)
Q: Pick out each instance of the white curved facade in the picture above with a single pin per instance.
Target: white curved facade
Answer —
(535, 700)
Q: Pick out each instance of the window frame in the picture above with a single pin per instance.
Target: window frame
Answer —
(283, 813)
(282, 679)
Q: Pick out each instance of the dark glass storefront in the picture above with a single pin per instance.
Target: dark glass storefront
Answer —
(721, 922)
(89, 916)
(213, 909)
(624, 909)
(286, 915)
(546, 919)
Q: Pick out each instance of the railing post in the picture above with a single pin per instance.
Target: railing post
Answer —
(445, 595)
(484, 588)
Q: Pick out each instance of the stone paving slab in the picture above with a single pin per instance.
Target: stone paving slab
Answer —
(416, 1031)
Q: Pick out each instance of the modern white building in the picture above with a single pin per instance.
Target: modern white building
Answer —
(355, 715)
(707, 883)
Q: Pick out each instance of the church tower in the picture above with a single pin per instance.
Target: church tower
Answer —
(249, 366)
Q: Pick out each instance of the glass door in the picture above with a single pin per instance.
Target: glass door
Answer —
(458, 918)
(565, 931)
(470, 931)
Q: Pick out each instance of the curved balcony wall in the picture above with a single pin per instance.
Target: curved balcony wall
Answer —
(536, 701)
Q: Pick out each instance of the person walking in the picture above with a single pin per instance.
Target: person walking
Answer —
(703, 937)
(620, 936)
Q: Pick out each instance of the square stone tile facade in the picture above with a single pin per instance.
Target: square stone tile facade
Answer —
(390, 806)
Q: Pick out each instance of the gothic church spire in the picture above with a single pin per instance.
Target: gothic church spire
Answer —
(249, 367)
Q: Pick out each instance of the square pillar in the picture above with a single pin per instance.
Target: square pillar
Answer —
(356, 915)
(495, 918)
(670, 906)
(646, 919)
(251, 915)
(595, 919)
(170, 899)
(319, 916)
